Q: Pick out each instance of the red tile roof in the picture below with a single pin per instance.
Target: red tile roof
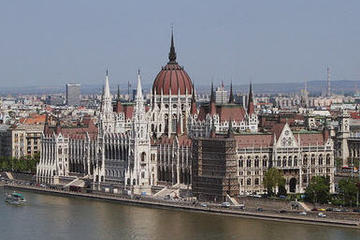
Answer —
(226, 112)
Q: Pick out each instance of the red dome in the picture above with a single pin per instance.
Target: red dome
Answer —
(173, 77)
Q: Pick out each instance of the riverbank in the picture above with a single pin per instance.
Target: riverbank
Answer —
(153, 203)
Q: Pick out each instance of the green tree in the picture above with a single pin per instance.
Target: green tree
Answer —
(348, 189)
(273, 178)
(318, 191)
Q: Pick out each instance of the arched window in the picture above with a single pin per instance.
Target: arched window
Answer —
(248, 162)
(248, 181)
(290, 161)
(241, 162)
(264, 161)
(312, 159)
(321, 159)
(284, 161)
(295, 161)
(328, 159)
(256, 161)
(305, 160)
(143, 156)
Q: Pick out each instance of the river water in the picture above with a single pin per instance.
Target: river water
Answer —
(53, 217)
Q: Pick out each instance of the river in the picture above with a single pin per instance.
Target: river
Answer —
(53, 217)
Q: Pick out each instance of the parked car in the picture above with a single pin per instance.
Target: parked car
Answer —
(337, 210)
(203, 205)
(329, 209)
(322, 209)
(282, 211)
(282, 196)
(322, 215)
(303, 213)
(356, 210)
(259, 209)
(314, 209)
(225, 204)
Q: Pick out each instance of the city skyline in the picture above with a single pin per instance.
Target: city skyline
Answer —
(238, 41)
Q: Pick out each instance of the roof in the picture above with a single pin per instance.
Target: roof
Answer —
(173, 77)
(254, 140)
(33, 119)
(184, 140)
(226, 112)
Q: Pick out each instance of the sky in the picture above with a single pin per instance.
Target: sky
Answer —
(50, 43)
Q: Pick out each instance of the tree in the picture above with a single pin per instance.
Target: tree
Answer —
(348, 189)
(318, 191)
(273, 178)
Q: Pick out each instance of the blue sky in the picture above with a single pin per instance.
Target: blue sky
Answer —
(54, 42)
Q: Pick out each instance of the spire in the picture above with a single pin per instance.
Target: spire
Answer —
(250, 101)
(106, 98)
(139, 95)
(212, 101)
(231, 98)
(118, 93)
(172, 53)
(212, 96)
(107, 87)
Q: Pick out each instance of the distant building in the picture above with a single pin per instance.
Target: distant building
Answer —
(221, 95)
(26, 140)
(73, 94)
(55, 100)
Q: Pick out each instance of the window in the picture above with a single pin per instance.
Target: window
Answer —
(284, 162)
(241, 163)
(290, 161)
(256, 181)
(279, 162)
(305, 160)
(328, 159)
(248, 162)
(248, 181)
(313, 159)
(264, 162)
(321, 160)
(256, 161)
